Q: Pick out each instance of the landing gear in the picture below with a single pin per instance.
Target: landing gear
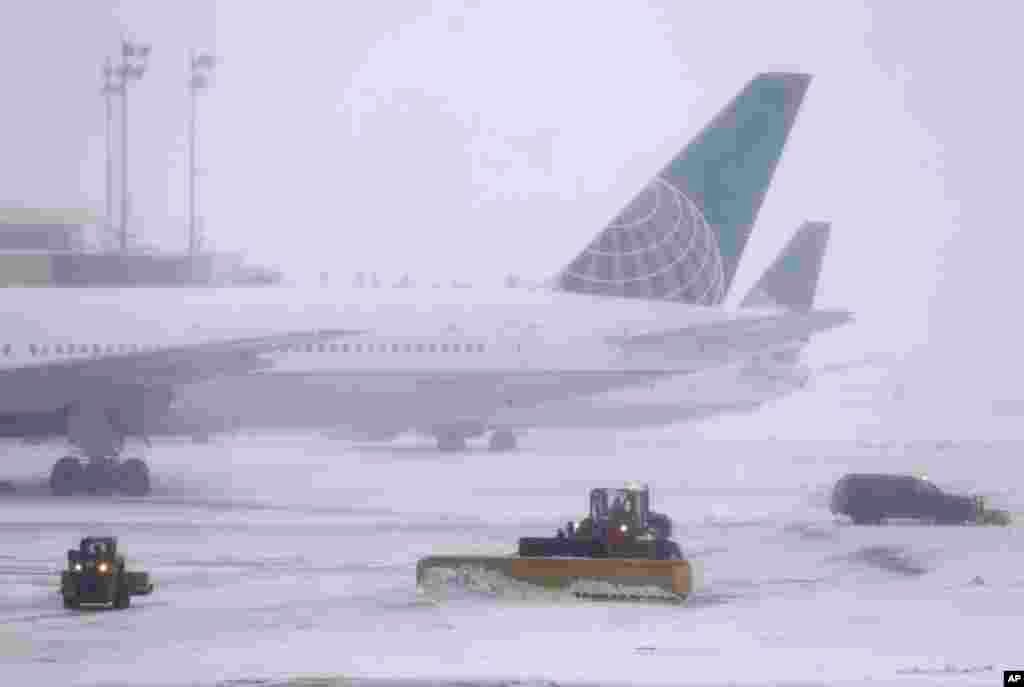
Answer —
(99, 476)
(502, 441)
(98, 428)
(133, 478)
(67, 476)
(451, 442)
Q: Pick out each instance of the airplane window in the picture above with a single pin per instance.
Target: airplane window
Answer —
(407, 347)
(321, 348)
(394, 348)
(419, 348)
(456, 348)
(432, 348)
(96, 349)
(444, 348)
(7, 349)
(359, 348)
(344, 348)
(32, 349)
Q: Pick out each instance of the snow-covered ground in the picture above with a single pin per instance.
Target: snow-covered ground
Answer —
(277, 558)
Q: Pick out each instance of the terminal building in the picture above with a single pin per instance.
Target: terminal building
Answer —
(48, 248)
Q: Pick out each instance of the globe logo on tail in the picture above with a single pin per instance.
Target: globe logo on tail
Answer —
(659, 247)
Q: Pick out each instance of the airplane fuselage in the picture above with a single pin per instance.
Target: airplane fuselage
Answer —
(410, 334)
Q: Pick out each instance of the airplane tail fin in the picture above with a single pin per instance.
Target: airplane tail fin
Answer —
(682, 236)
(791, 282)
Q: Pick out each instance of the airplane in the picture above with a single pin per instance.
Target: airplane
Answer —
(788, 284)
(454, 404)
(98, 365)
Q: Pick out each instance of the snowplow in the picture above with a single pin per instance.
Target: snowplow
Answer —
(96, 575)
(620, 551)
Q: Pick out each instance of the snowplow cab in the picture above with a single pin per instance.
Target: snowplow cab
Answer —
(615, 512)
(99, 553)
(620, 525)
(625, 511)
(94, 548)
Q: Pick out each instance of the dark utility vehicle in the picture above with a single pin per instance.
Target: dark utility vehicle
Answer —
(96, 574)
(872, 498)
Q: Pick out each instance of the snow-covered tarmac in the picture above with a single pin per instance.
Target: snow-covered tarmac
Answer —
(282, 558)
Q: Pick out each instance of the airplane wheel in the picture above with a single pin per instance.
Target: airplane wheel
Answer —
(502, 441)
(67, 476)
(133, 478)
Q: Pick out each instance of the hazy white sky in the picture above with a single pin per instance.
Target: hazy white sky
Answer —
(473, 139)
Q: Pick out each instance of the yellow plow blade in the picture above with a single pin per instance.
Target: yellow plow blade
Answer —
(586, 578)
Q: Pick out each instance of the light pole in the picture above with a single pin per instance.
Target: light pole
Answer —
(202, 65)
(134, 57)
(110, 88)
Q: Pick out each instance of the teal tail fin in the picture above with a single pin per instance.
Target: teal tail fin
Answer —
(682, 236)
(791, 282)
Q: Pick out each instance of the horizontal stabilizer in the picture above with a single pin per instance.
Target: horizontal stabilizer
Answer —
(877, 360)
(739, 335)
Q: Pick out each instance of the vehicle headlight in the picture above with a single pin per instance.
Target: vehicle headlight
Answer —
(623, 528)
(78, 567)
(103, 567)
